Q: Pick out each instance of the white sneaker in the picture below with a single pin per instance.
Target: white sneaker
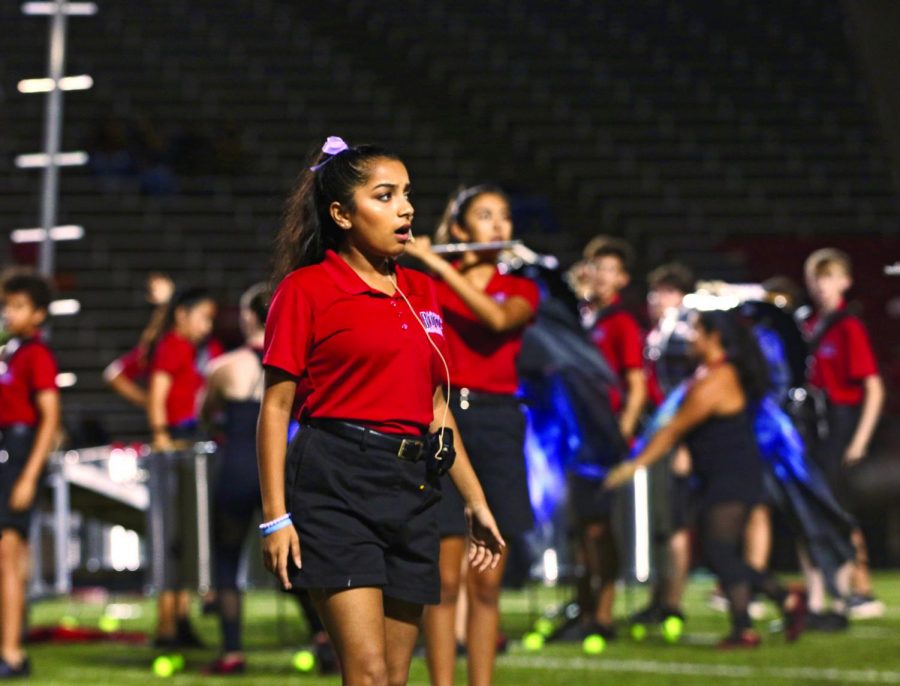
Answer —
(865, 607)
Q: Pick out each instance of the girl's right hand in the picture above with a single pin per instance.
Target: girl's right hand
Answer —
(279, 547)
(162, 443)
(486, 545)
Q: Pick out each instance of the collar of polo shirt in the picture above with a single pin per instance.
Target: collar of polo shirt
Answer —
(350, 282)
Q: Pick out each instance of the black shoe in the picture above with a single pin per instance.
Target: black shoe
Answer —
(826, 621)
(652, 614)
(7, 671)
(607, 631)
(187, 638)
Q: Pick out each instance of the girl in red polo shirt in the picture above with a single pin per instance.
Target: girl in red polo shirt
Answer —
(354, 345)
(176, 372)
(176, 378)
(486, 312)
(127, 374)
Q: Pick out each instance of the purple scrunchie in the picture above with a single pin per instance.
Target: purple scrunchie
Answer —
(334, 145)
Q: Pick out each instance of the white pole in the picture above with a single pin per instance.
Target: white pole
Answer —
(641, 526)
(53, 115)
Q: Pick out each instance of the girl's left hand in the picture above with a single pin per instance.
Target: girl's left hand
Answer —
(486, 545)
(420, 248)
(620, 475)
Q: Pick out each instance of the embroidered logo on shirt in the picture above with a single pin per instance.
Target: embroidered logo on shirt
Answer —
(433, 322)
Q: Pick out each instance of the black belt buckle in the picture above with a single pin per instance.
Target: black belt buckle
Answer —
(410, 450)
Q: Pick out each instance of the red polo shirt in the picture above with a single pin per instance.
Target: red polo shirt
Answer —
(358, 354)
(133, 365)
(26, 368)
(177, 357)
(484, 360)
(617, 336)
(843, 360)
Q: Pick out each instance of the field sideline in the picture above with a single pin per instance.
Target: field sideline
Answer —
(868, 654)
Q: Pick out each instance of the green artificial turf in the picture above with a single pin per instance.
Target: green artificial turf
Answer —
(868, 653)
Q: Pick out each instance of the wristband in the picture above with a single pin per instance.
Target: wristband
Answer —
(275, 527)
(267, 528)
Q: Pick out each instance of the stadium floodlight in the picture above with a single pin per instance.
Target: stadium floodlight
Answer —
(66, 83)
(66, 379)
(82, 9)
(67, 232)
(64, 308)
(61, 159)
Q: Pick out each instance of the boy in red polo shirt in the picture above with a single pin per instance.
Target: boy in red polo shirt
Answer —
(844, 369)
(29, 419)
(618, 337)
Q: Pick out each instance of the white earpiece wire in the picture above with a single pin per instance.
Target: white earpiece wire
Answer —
(438, 351)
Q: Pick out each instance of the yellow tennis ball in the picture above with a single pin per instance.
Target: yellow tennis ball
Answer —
(177, 662)
(638, 632)
(532, 641)
(108, 623)
(304, 661)
(543, 626)
(593, 644)
(672, 629)
(163, 666)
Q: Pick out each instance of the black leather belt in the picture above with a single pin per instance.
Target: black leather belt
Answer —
(465, 398)
(409, 449)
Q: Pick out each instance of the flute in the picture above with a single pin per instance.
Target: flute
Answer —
(451, 248)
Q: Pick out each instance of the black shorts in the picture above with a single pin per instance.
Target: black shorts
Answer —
(828, 453)
(15, 447)
(589, 502)
(364, 517)
(492, 429)
(680, 502)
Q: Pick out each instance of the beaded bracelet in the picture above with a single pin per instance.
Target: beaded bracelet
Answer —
(267, 528)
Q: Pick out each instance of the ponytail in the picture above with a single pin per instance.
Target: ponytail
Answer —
(742, 350)
(308, 230)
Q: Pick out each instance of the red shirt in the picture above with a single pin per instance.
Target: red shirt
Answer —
(133, 365)
(484, 360)
(358, 354)
(617, 336)
(177, 357)
(843, 360)
(26, 368)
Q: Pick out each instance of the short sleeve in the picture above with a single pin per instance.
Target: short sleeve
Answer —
(860, 357)
(630, 344)
(289, 328)
(528, 289)
(131, 364)
(168, 356)
(214, 348)
(43, 369)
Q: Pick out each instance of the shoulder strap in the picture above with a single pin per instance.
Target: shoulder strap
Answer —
(823, 326)
(13, 346)
(609, 311)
